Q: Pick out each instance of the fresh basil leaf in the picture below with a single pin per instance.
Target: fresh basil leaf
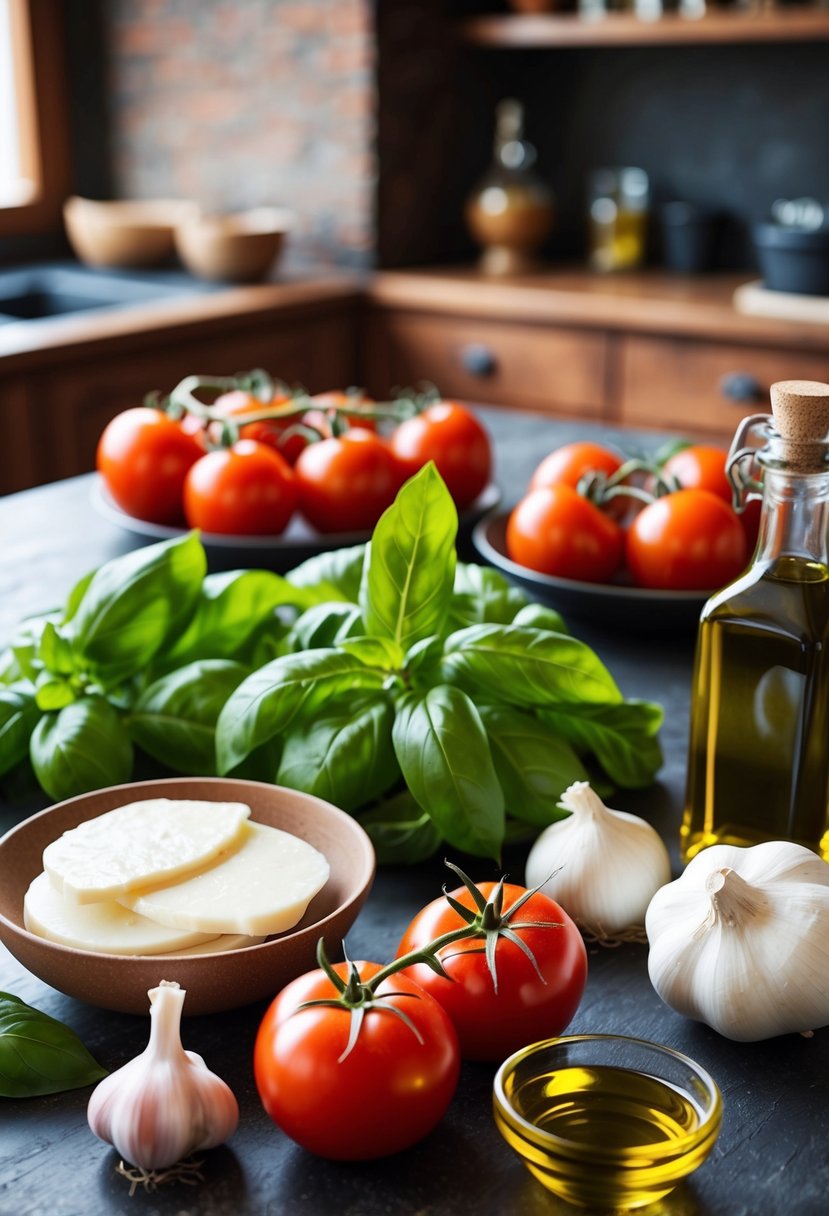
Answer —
(174, 720)
(374, 652)
(482, 595)
(83, 747)
(53, 692)
(134, 603)
(266, 702)
(55, 650)
(10, 669)
(333, 575)
(18, 717)
(538, 616)
(38, 1054)
(73, 600)
(442, 749)
(622, 737)
(527, 667)
(533, 764)
(410, 564)
(402, 832)
(324, 625)
(424, 658)
(25, 644)
(345, 753)
(230, 607)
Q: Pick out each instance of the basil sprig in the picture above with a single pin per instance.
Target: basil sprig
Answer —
(428, 697)
(38, 1054)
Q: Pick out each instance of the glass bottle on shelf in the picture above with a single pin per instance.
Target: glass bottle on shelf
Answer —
(758, 762)
(511, 211)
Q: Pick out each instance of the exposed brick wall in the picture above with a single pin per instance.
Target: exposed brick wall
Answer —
(241, 103)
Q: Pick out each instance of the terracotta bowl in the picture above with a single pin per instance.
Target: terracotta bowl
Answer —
(232, 248)
(124, 232)
(214, 982)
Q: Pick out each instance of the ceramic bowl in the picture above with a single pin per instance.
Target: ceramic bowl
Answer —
(232, 248)
(124, 233)
(604, 1121)
(214, 982)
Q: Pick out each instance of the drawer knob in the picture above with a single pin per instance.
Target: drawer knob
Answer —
(478, 359)
(742, 388)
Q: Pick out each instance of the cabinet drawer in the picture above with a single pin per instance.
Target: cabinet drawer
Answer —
(553, 370)
(694, 386)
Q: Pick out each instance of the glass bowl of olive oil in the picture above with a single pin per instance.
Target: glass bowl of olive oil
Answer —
(606, 1121)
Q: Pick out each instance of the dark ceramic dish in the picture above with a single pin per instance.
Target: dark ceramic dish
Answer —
(792, 259)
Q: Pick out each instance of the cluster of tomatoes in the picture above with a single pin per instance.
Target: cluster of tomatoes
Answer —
(590, 515)
(244, 466)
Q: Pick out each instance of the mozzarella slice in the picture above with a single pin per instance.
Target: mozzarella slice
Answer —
(140, 845)
(220, 945)
(105, 927)
(263, 887)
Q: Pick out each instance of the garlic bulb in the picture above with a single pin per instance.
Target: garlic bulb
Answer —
(605, 864)
(166, 1103)
(741, 940)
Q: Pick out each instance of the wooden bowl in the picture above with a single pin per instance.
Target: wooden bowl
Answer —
(232, 248)
(124, 233)
(214, 982)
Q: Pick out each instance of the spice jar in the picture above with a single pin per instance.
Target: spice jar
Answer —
(758, 764)
(617, 218)
(511, 211)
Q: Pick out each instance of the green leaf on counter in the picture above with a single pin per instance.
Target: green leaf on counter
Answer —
(230, 607)
(266, 702)
(135, 603)
(174, 720)
(401, 831)
(409, 570)
(622, 737)
(482, 596)
(19, 716)
(345, 753)
(82, 747)
(527, 667)
(444, 756)
(324, 625)
(333, 575)
(533, 764)
(39, 1055)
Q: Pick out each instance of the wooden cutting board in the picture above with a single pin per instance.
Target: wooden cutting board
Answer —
(756, 300)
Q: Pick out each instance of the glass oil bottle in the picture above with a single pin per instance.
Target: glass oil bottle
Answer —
(758, 763)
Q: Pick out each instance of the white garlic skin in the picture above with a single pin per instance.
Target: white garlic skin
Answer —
(605, 864)
(166, 1103)
(740, 940)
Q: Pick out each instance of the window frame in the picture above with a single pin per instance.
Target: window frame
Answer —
(37, 37)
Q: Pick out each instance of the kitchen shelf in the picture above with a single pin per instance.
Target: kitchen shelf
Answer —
(624, 29)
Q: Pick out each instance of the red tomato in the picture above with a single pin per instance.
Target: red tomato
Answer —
(246, 489)
(701, 467)
(556, 531)
(385, 1095)
(345, 484)
(452, 436)
(143, 457)
(335, 399)
(567, 465)
(688, 541)
(491, 1025)
(270, 431)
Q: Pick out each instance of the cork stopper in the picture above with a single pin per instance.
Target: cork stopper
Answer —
(801, 418)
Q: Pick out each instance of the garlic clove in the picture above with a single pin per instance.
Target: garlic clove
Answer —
(603, 866)
(740, 940)
(166, 1103)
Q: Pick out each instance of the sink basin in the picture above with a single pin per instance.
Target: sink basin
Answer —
(57, 290)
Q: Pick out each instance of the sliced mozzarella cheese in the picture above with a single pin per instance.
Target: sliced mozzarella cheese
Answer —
(140, 845)
(221, 944)
(104, 927)
(263, 887)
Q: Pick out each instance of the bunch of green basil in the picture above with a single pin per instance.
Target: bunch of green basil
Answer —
(427, 696)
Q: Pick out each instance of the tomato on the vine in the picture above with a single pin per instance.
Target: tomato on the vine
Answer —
(143, 457)
(700, 467)
(554, 530)
(528, 1004)
(687, 541)
(346, 483)
(383, 1095)
(450, 435)
(246, 489)
(568, 464)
